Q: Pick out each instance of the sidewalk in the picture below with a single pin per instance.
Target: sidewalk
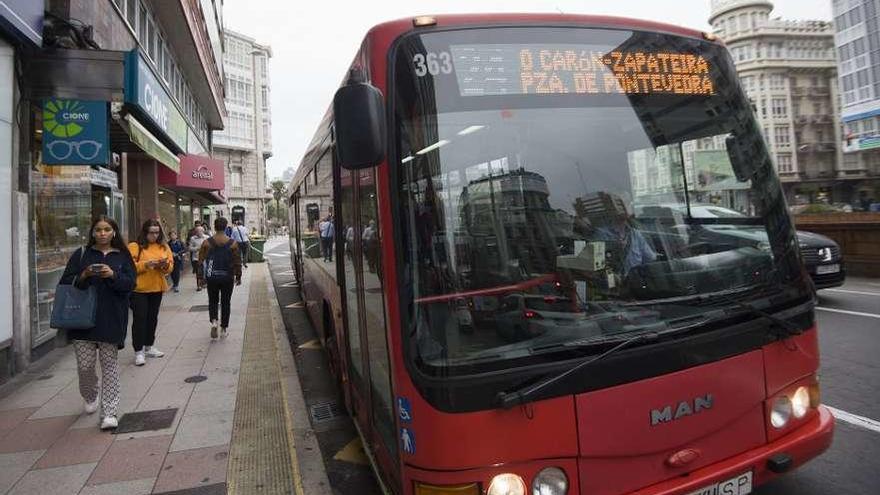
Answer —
(47, 446)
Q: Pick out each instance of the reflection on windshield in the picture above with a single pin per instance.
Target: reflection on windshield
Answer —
(527, 227)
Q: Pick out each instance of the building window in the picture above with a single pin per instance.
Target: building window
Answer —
(236, 178)
(783, 163)
(781, 134)
(142, 23)
(131, 10)
(777, 81)
(779, 107)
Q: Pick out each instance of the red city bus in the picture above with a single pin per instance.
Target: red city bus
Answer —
(494, 239)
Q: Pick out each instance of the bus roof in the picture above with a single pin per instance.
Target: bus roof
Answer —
(400, 26)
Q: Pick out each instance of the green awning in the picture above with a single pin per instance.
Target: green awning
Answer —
(147, 141)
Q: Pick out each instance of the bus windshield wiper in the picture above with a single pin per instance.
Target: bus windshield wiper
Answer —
(522, 395)
(782, 329)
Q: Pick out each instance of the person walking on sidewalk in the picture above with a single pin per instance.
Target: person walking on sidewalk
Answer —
(220, 259)
(195, 243)
(179, 252)
(192, 231)
(327, 231)
(105, 264)
(153, 260)
(240, 235)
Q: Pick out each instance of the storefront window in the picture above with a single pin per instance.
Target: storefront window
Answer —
(186, 217)
(62, 209)
(168, 211)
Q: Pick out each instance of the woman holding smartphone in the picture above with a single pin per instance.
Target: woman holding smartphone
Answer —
(105, 264)
(153, 260)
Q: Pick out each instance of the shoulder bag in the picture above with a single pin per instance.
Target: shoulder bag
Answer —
(73, 308)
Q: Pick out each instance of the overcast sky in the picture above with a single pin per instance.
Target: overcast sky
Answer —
(313, 42)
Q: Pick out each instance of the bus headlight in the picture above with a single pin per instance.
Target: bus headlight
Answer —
(780, 413)
(800, 402)
(507, 484)
(550, 481)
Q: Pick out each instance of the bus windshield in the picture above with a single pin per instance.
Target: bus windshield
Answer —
(561, 186)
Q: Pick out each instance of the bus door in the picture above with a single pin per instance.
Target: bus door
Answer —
(295, 248)
(364, 301)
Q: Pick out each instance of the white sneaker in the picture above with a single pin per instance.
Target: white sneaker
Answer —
(91, 407)
(223, 333)
(109, 423)
(153, 352)
(139, 359)
(213, 329)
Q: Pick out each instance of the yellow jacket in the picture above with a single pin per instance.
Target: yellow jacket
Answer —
(151, 279)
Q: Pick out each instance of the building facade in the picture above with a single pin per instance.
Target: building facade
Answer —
(113, 100)
(857, 40)
(246, 142)
(789, 71)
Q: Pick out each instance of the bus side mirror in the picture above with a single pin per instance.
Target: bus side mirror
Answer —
(359, 120)
(747, 153)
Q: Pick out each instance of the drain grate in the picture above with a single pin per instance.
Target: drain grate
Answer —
(325, 411)
(197, 308)
(158, 419)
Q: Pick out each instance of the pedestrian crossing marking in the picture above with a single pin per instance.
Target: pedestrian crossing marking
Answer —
(296, 305)
(353, 453)
(312, 344)
(288, 273)
(291, 284)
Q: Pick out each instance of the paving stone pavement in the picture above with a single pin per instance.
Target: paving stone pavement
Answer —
(49, 446)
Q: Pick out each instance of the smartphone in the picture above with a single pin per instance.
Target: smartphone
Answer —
(95, 268)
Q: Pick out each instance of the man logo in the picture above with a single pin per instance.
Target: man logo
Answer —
(684, 408)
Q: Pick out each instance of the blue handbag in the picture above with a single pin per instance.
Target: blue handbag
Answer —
(73, 308)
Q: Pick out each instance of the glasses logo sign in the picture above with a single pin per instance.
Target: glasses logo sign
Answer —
(75, 132)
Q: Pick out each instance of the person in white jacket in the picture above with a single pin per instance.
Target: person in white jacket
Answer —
(195, 243)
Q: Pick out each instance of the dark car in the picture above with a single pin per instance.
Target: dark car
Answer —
(822, 256)
(823, 259)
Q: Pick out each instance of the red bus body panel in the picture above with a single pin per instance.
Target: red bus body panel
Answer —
(621, 450)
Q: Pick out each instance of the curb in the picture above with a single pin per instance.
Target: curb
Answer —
(312, 472)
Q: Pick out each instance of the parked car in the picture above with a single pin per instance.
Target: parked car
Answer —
(822, 256)
(525, 316)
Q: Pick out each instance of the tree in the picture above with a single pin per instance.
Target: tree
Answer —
(279, 191)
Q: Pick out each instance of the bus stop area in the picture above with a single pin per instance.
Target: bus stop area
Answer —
(210, 417)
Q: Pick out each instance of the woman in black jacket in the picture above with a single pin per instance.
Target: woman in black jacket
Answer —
(106, 265)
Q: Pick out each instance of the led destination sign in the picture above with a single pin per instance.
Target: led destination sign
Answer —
(516, 69)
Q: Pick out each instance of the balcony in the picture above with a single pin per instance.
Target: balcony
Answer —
(823, 119)
(802, 119)
(819, 91)
(798, 91)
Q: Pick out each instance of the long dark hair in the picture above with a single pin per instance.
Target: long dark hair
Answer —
(117, 242)
(142, 237)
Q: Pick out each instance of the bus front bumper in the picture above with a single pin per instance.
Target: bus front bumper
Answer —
(765, 462)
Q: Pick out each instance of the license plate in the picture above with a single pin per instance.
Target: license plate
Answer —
(738, 485)
(823, 269)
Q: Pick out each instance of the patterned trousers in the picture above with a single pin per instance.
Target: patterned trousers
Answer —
(87, 353)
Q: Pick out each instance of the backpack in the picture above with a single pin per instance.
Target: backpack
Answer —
(218, 262)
